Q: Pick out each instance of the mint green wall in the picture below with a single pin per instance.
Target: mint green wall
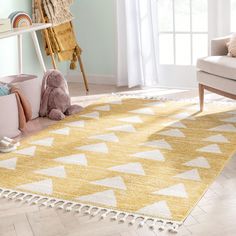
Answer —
(8, 47)
(95, 27)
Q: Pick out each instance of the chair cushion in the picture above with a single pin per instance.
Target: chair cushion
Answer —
(220, 83)
(223, 66)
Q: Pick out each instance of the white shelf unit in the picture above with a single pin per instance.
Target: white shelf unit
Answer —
(19, 34)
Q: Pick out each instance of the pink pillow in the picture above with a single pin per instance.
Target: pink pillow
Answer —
(232, 46)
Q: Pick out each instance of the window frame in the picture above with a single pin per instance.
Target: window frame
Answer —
(174, 32)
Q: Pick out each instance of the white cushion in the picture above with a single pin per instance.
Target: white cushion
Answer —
(220, 83)
(223, 66)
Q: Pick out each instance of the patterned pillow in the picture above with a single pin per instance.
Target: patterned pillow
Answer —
(4, 90)
(232, 46)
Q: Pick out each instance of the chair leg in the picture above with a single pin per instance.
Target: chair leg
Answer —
(201, 96)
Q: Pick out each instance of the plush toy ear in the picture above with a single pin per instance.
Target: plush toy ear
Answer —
(44, 82)
(44, 102)
(45, 95)
(66, 88)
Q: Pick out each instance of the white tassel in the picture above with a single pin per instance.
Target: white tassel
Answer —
(162, 227)
(78, 210)
(152, 226)
(141, 224)
(42, 202)
(6, 195)
(174, 229)
(35, 201)
(123, 219)
(88, 212)
(20, 197)
(104, 215)
(95, 212)
(70, 208)
(115, 217)
(52, 203)
(27, 197)
(45, 203)
(132, 222)
(61, 207)
(12, 196)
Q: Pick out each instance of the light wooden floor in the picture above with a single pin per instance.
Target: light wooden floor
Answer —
(215, 215)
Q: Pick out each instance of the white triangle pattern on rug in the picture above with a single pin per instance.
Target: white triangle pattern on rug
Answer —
(173, 133)
(107, 198)
(116, 102)
(76, 124)
(92, 115)
(184, 115)
(156, 104)
(177, 190)
(219, 138)
(106, 137)
(27, 151)
(132, 119)
(230, 120)
(123, 128)
(102, 108)
(143, 111)
(43, 187)
(176, 125)
(214, 148)
(47, 142)
(65, 131)
(115, 182)
(9, 164)
(189, 175)
(98, 147)
(158, 144)
(130, 168)
(200, 162)
(158, 209)
(76, 159)
(154, 155)
(224, 128)
(58, 171)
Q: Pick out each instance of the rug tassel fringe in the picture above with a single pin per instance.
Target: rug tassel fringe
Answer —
(68, 206)
(165, 99)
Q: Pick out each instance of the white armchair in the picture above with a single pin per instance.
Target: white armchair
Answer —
(217, 73)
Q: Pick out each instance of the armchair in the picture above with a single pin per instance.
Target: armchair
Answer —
(217, 73)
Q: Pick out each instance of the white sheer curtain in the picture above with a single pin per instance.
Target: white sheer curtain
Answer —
(137, 43)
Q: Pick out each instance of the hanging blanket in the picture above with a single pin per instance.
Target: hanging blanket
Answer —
(62, 36)
(24, 107)
(56, 11)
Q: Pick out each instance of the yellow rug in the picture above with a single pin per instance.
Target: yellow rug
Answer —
(137, 157)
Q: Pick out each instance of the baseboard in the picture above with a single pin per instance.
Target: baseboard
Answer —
(93, 79)
(111, 80)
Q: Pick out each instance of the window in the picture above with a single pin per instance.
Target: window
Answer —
(183, 31)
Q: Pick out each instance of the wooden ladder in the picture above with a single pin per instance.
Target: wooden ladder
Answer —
(48, 42)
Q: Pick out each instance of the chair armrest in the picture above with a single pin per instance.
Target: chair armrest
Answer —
(219, 46)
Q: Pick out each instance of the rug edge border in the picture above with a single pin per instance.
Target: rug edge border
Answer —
(51, 202)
